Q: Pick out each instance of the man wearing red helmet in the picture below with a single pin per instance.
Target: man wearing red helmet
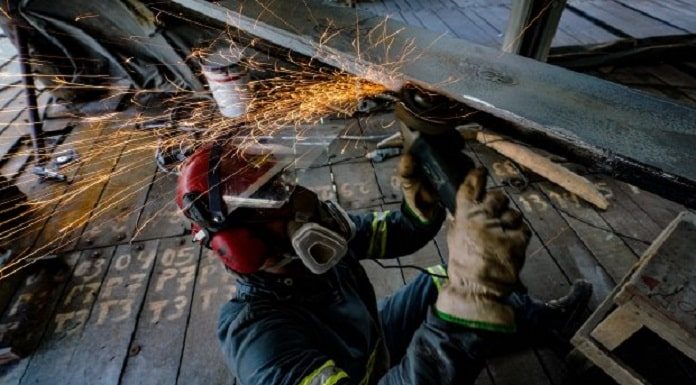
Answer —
(305, 312)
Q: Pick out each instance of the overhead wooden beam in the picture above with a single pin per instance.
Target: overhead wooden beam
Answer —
(635, 137)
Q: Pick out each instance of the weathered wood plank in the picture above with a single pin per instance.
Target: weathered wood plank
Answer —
(681, 18)
(681, 81)
(49, 193)
(202, 362)
(24, 322)
(13, 120)
(355, 182)
(51, 363)
(115, 217)
(616, 328)
(625, 217)
(104, 343)
(384, 281)
(612, 253)
(160, 216)
(627, 20)
(517, 368)
(433, 23)
(318, 178)
(469, 26)
(583, 30)
(158, 342)
(410, 18)
(644, 82)
(65, 225)
(666, 278)
(388, 180)
(484, 378)
(660, 210)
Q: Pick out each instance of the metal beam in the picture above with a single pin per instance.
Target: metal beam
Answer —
(532, 26)
(635, 137)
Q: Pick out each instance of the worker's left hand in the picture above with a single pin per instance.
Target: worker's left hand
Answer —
(419, 198)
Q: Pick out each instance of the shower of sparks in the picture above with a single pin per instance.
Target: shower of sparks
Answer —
(115, 145)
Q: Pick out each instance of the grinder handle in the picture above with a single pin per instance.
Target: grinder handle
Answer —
(442, 163)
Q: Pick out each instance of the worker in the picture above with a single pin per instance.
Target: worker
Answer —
(304, 311)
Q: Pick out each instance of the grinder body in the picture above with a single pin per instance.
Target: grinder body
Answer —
(427, 123)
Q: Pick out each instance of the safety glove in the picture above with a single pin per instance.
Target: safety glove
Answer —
(419, 198)
(487, 242)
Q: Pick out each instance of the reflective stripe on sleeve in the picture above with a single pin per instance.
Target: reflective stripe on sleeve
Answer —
(438, 281)
(327, 374)
(370, 366)
(378, 238)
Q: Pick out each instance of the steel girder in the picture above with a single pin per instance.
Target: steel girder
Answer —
(635, 137)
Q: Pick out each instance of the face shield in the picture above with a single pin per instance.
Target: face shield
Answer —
(266, 172)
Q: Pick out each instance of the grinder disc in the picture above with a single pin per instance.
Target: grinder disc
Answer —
(428, 112)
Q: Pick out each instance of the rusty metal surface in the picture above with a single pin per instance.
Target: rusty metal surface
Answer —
(637, 137)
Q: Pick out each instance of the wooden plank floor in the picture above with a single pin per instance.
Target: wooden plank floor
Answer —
(132, 301)
(583, 22)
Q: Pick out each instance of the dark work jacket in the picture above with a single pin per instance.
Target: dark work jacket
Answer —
(325, 329)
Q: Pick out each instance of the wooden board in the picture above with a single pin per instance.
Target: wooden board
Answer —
(160, 216)
(625, 19)
(318, 178)
(104, 344)
(202, 362)
(609, 249)
(681, 81)
(625, 217)
(65, 225)
(583, 30)
(645, 82)
(51, 363)
(681, 18)
(468, 26)
(18, 160)
(666, 279)
(356, 183)
(115, 219)
(24, 322)
(660, 210)
(517, 368)
(49, 192)
(156, 348)
(433, 22)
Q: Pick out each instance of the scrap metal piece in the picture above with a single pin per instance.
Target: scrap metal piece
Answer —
(47, 173)
(632, 136)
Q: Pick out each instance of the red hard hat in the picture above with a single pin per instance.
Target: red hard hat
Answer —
(213, 182)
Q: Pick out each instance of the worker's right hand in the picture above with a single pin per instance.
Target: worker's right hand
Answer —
(487, 243)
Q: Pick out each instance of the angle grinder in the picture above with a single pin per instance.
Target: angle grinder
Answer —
(427, 123)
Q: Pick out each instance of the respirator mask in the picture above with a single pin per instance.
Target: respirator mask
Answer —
(319, 231)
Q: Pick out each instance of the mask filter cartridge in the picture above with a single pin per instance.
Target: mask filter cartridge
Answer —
(318, 247)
